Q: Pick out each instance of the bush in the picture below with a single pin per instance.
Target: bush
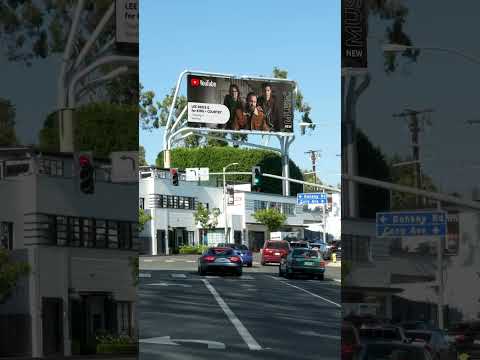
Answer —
(117, 349)
(196, 249)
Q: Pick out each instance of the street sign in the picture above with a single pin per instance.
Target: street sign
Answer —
(191, 174)
(414, 223)
(204, 174)
(311, 198)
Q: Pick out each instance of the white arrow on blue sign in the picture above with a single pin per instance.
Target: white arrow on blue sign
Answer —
(311, 198)
(414, 223)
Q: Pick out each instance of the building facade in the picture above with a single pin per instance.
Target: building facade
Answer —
(79, 248)
(172, 210)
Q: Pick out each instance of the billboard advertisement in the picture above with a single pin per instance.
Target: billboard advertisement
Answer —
(240, 104)
(354, 34)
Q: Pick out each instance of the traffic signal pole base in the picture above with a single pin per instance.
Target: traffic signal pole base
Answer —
(166, 159)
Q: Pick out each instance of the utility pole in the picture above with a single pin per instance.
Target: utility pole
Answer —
(314, 155)
(416, 125)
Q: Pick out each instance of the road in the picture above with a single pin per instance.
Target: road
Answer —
(257, 316)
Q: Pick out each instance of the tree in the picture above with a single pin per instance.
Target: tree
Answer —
(37, 29)
(10, 272)
(7, 123)
(207, 219)
(143, 218)
(101, 127)
(372, 164)
(271, 218)
(141, 156)
(309, 177)
(215, 158)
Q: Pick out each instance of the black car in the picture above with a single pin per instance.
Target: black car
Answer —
(393, 351)
(220, 260)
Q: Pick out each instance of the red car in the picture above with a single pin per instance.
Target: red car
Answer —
(274, 250)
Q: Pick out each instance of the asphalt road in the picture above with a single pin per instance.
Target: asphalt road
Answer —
(257, 316)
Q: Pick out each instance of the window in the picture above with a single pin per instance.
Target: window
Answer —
(259, 205)
(15, 168)
(51, 167)
(288, 209)
(6, 235)
(141, 204)
(112, 234)
(356, 248)
(124, 315)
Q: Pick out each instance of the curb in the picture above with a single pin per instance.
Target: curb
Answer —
(336, 264)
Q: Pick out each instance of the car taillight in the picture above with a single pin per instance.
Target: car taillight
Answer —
(209, 258)
(460, 338)
(347, 349)
(234, 259)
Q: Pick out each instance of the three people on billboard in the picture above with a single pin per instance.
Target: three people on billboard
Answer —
(257, 113)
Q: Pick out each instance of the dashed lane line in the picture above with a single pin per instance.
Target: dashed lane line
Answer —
(310, 293)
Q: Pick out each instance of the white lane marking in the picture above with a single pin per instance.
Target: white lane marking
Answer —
(147, 260)
(337, 280)
(168, 284)
(179, 276)
(314, 333)
(310, 293)
(241, 329)
(169, 261)
(247, 277)
(166, 340)
(191, 261)
(145, 275)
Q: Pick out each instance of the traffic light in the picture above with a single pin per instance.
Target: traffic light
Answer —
(174, 175)
(86, 173)
(256, 178)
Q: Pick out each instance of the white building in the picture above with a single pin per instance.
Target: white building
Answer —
(172, 209)
(78, 247)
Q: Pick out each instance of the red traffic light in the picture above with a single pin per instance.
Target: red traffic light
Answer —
(83, 160)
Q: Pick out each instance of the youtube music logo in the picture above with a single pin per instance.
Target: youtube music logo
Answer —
(194, 82)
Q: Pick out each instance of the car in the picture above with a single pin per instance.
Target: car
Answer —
(243, 252)
(383, 350)
(351, 344)
(320, 246)
(220, 260)
(435, 341)
(302, 261)
(373, 333)
(299, 244)
(465, 336)
(273, 251)
(416, 325)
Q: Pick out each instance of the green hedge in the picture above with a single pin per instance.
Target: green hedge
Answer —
(216, 157)
(197, 249)
(117, 348)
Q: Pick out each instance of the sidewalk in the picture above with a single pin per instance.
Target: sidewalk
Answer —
(334, 264)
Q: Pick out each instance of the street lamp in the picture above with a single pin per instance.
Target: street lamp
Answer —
(225, 199)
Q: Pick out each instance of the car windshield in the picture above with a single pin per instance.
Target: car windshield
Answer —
(393, 352)
(419, 335)
(220, 251)
(303, 245)
(277, 245)
(242, 247)
(305, 253)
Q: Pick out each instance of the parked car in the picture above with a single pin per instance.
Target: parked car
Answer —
(299, 244)
(320, 246)
(302, 261)
(383, 333)
(436, 343)
(241, 250)
(273, 251)
(416, 325)
(351, 345)
(465, 336)
(393, 351)
(220, 260)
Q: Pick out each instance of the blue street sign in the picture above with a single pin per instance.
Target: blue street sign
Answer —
(311, 198)
(414, 223)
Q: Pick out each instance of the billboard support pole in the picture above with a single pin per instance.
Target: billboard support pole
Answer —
(440, 250)
(285, 145)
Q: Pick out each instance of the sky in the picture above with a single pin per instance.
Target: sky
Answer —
(251, 38)
(446, 83)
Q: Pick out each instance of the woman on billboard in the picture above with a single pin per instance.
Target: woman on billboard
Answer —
(233, 102)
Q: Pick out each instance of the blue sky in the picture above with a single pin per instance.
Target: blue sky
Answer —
(250, 38)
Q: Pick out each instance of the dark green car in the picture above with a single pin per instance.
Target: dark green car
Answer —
(302, 261)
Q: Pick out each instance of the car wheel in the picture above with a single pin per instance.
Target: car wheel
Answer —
(239, 273)
(280, 272)
(201, 272)
(263, 263)
(321, 277)
(288, 275)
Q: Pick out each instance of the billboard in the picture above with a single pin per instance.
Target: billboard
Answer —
(240, 104)
(354, 34)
